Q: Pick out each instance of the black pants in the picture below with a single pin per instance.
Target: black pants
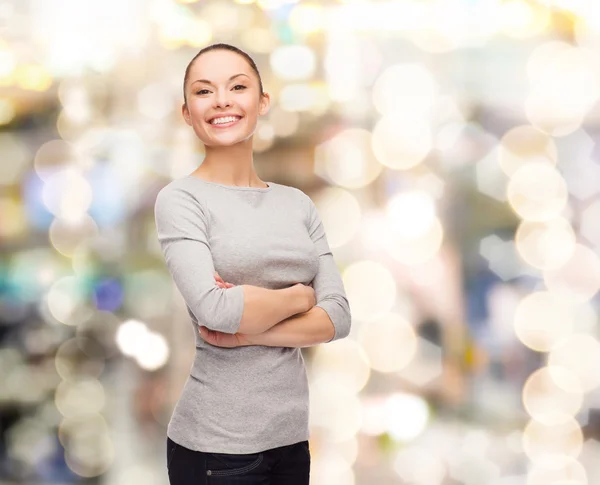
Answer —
(285, 465)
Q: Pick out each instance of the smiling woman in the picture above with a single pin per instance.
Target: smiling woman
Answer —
(283, 290)
(214, 95)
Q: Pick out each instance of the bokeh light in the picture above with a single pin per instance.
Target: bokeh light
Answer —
(347, 159)
(542, 441)
(537, 192)
(546, 401)
(542, 321)
(368, 301)
(389, 342)
(451, 149)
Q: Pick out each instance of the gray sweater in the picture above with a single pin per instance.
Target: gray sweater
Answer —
(253, 398)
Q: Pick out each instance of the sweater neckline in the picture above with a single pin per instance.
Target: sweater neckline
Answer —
(234, 187)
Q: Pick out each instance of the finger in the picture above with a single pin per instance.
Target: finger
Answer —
(229, 285)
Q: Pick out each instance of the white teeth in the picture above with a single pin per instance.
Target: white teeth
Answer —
(226, 119)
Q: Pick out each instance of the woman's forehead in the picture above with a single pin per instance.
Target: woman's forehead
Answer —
(219, 63)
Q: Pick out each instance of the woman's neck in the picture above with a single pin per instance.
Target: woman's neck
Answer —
(232, 165)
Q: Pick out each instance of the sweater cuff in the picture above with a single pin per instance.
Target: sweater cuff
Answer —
(338, 317)
(235, 295)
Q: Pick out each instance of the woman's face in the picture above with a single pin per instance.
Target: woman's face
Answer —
(221, 83)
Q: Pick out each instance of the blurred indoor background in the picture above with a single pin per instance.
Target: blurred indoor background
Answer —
(451, 149)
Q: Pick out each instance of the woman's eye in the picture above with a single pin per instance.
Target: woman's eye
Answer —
(239, 86)
(202, 91)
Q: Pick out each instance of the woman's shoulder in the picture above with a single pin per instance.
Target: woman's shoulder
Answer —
(179, 191)
(290, 190)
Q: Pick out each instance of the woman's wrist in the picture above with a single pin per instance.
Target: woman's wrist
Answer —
(298, 298)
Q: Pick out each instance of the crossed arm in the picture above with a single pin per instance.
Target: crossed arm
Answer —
(304, 329)
(247, 314)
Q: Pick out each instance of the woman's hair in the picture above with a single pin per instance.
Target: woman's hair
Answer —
(222, 47)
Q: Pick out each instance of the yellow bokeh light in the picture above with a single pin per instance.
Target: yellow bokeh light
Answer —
(335, 408)
(390, 342)
(348, 159)
(369, 300)
(307, 18)
(14, 149)
(578, 280)
(401, 143)
(154, 351)
(346, 361)
(285, 123)
(543, 112)
(541, 441)
(263, 138)
(412, 234)
(557, 470)
(542, 322)
(441, 26)
(67, 301)
(541, 58)
(340, 213)
(580, 355)
(65, 236)
(258, 39)
(67, 194)
(273, 4)
(404, 90)
(414, 250)
(411, 214)
(53, 155)
(565, 85)
(7, 59)
(78, 398)
(406, 416)
(524, 18)
(199, 33)
(545, 401)
(33, 77)
(524, 144)
(14, 222)
(293, 62)
(89, 451)
(7, 111)
(310, 97)
(537, 192)
(546, 245)
(420, 464)
(79, 357)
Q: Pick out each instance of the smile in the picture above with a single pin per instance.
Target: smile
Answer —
(225, 121)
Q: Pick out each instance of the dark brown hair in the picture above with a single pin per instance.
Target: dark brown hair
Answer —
(227, 47)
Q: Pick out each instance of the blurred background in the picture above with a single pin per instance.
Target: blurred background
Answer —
(451, 149)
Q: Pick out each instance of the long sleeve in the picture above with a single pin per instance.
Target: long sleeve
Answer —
(182, 229)
(328, 284)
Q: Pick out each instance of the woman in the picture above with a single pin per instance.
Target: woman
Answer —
(252, 262)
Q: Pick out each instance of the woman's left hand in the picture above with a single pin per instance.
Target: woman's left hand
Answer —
(222, 339)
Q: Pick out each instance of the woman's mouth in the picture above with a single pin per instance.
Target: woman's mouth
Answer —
(224, 122)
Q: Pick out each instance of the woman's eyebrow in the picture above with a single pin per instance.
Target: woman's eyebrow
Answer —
(206, 81)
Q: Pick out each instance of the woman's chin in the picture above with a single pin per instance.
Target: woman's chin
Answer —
(224, 141)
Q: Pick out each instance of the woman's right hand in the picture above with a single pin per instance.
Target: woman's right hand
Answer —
(307, 295)
(221, 283)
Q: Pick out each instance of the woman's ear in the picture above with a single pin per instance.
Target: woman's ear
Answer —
(265, 103)
(186, 114)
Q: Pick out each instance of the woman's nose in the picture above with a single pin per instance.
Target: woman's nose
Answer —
(222, 99)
